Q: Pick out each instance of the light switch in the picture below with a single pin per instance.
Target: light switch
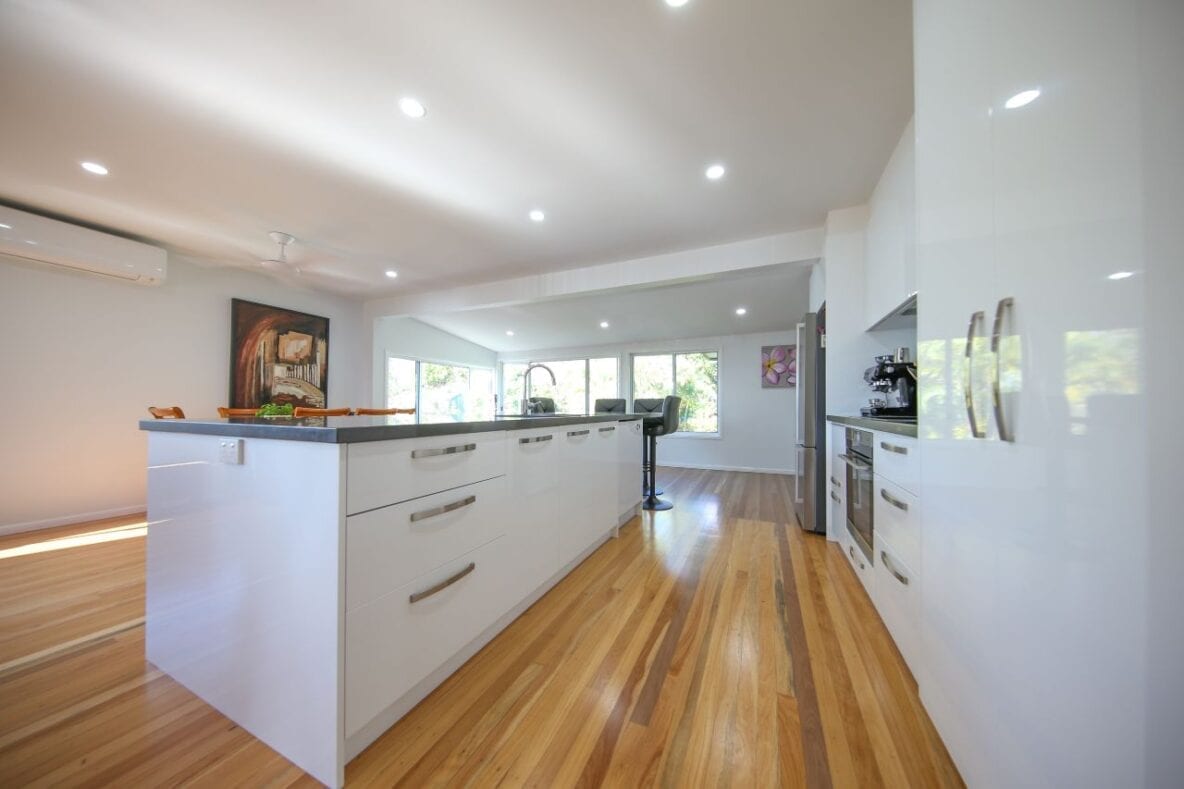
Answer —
(230, 450)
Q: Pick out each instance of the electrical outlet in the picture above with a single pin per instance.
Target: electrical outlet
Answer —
(230, 450)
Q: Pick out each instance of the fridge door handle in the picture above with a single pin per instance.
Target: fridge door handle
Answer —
(967, 377)
(1001, 309)
(797, 478)
(800, 427)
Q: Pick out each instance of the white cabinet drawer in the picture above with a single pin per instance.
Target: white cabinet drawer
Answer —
(898, 600)
(387, 472)
(392, 643)
(897, 516)
(896, 460)
(863, 568)
(387, 547)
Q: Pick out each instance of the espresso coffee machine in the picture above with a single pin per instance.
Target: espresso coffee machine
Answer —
(896, 377)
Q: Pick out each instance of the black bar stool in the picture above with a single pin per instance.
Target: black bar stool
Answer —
(671, 405)
(647, 406)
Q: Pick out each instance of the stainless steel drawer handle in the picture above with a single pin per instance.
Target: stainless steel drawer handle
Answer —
(434, 511)
(835, 482)
(894, 448)
(904, 579)
(607, 429)
(440, 587)
(574, 433)
(895, 502)
(858, 465)
(431, 453)
(835, 496)
(851, 551)
(534, 439)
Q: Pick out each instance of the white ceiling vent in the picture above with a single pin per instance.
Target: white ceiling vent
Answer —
(31, 237)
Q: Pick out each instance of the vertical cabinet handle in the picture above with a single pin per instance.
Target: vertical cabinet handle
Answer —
(1004, 305)
(968, 379)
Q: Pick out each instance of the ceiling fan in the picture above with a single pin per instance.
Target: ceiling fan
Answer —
(280, 264)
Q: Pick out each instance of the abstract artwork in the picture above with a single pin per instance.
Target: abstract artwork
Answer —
(779, 366)
(277, 356)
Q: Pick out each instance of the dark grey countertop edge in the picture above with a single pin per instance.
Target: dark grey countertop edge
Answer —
(871, 423)
(338, 431)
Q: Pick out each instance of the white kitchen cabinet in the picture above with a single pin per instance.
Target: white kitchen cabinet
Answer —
(1035, 548)
(533, 510)
(394, 642)
(897, 517)
(836, 470)
(898, 601)
(587, 464)
(629, 442)
(898, 460)
(382, 474)
(890, 268)
(387, 547)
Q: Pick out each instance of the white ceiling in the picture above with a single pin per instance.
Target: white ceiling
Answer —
(221, 120)
(776, 297)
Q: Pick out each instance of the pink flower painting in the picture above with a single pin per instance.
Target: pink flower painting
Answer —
(779, 365)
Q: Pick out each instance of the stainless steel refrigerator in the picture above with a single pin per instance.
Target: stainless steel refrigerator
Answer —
(809, 480)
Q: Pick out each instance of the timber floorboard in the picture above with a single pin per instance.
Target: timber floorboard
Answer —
(715, 644)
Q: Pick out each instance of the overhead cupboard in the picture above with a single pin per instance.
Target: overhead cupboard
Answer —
(890, 250)
(315, 591)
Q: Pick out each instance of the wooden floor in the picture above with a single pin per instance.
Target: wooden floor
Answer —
(710, 645)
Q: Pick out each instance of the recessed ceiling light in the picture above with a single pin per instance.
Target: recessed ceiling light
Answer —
(1121, 275)
(741, 310)
(537, 216)
(412, 108)
(5, 227)
(94, 167)
(30, 242)
(1022, 98)
(392, 273)
(509, 333)
(715, 172)
(677, 3)
(604, 324)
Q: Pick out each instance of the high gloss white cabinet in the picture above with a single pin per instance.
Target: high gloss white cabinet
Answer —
(315, 592)
(890, 267)
(1037, 543)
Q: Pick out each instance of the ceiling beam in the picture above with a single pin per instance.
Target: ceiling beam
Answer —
(802, 246)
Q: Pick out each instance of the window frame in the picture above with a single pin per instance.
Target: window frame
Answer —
(587, 360)
(719, 386)
(419, 362)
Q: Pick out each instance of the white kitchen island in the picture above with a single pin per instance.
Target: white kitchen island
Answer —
(315, 579)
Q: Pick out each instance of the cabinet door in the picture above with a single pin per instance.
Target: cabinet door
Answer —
(533, 511)
(581, 482)
(629, 438)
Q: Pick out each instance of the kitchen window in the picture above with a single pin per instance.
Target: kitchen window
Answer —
(578, 384)
(439, 392)
(693, 376)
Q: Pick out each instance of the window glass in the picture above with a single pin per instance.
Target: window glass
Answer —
(570, 391)
(512, 387)
(697, 375)
(400, 382)
(602, 380)
(692, 376)
(653, 376)
(442, 391)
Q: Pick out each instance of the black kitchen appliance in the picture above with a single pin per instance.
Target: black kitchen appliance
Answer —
(896, 377)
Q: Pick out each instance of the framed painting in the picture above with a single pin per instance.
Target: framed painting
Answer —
(277, 356)
(779, 366)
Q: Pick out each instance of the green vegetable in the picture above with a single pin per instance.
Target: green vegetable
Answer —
(275, 409)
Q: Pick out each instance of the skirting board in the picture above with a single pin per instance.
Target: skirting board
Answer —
(391, 715)
(66, 520)
(709, 467)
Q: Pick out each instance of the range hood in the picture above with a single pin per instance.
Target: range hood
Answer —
(903, 316)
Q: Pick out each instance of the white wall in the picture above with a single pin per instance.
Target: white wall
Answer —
(757, 431)
(849, 349)
(84, 357)
(413, 339)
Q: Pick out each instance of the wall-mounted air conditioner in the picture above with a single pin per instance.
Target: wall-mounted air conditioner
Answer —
(31, 237)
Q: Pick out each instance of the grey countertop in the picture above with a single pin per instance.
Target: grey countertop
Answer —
(871, 423)
(357, 429)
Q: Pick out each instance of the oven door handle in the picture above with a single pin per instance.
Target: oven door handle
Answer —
(858, 465)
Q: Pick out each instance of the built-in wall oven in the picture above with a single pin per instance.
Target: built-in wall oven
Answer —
(858, 459)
